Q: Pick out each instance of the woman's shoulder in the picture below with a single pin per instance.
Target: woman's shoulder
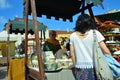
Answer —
(96, 31)
(74, 33)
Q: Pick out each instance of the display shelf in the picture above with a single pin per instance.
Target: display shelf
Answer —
(112, 36)
(112, 42)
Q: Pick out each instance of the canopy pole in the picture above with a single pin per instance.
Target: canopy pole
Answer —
(26, 2)
(8, 43)
(91, 14)
(38, 46)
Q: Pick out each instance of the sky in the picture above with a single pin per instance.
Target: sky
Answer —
(9, 9)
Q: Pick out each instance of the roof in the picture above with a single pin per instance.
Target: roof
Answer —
(63, 32)
(18, 26)
(64, 9)
(109, 16)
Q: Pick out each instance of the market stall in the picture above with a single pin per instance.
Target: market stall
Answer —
(58, 9)
(3, 43)
(4, 53)
(18, 26)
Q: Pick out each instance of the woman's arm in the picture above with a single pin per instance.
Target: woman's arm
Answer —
(72, 52)
(104, 48)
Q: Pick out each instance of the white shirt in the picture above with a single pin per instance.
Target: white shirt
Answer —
(84, 48)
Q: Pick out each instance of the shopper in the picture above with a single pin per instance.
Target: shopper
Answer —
(81, 47)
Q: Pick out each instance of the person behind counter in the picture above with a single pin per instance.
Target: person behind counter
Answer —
(81, 44)
(21, 47)
(52, 44)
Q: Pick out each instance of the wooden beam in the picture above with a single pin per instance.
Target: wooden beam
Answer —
(38, 46)
(83, 5)
(26, 36)
(86, 7)
(8, 43)
(92, 15)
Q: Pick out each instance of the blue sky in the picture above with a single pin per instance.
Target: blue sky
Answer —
(9, 9)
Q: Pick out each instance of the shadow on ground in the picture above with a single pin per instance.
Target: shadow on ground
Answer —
(3, 72)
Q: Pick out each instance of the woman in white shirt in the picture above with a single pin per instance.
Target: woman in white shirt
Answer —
(81, 47)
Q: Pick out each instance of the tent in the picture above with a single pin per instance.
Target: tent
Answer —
(18, 26)
(4, 36)
(114, 16)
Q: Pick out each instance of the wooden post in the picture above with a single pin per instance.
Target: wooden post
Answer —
(26, 2)
(38, 46)
(8, 42)
(91, 14)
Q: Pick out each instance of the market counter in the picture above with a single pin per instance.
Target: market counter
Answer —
(16, 71)
(64, 74)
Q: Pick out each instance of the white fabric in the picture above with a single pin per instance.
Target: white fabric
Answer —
(83, 49)
(4, 36)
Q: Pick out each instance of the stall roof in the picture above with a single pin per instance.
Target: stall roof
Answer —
(109, 16)
(64, 9)
(18, 26)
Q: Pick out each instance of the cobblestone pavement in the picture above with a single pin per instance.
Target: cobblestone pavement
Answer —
(3, 72)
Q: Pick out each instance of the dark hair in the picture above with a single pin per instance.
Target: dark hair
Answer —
(52, 32)
(84, 23)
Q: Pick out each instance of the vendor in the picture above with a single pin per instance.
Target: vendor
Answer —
(52, 44)
(21, 47)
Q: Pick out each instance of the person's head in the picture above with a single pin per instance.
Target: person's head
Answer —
(84, 23)
(52, 34)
